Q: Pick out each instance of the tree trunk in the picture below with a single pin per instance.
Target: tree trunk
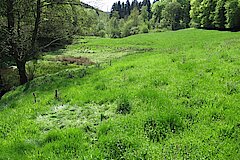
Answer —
(36, 26)
(22, 71)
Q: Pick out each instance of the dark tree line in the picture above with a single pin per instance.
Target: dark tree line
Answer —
(179, 14)
(125, 9)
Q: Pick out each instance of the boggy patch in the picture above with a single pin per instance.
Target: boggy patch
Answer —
(78, 60)
(65, 116)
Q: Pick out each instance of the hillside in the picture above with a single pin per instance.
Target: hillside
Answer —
(169, 95)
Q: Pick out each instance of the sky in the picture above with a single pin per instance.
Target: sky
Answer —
(104, 5)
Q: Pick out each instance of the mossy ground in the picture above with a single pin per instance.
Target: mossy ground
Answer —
(170, 95)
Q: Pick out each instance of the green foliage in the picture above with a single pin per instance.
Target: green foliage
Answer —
(131, 26)
(222, 14)
(195, 12)
(56, 23)
(144, 14)
(114, 26)
(144, 29)
(157, 9)
(171, 15)
(219, 18)
(233, 14)
(207, 13)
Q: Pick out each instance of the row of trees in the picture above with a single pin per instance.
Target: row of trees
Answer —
(171, 14)
(216, 14)
(140, 17)
(179, 14)
(124, 9)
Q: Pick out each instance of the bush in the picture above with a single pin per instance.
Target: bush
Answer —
(101, 33)
(126, 29)
(134, 30)
(144, 29)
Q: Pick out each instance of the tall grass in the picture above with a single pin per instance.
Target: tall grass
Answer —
(170, 95)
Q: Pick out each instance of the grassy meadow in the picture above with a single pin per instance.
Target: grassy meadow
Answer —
(169, 95)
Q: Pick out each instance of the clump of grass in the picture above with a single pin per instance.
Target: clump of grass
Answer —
(232, 88)
(230, 132)
(116, 148)
(123, 106)
(157, 129)
(101, 86)
(63, 144)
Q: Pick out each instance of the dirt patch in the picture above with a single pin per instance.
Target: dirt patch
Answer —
(78, 60)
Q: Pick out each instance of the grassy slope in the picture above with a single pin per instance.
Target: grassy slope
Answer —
(182, 90)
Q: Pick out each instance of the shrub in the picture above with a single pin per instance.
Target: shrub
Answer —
(130, 29)
(101, 33)
(126, 29)
(144, 29)
(134, 30)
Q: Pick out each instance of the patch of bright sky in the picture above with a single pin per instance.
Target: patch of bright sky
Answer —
(104, 5)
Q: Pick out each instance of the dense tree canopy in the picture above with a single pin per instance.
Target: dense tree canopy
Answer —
(178, 14)
(215, 14)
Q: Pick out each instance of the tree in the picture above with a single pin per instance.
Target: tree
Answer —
(195, 12)
(131, 26)
(148, 4)
(233, 14)
(128, 8)
(123, 10)
(144, 13)
(21, 47)
(207, 13)
(30, 26)
(157, 9)
(114, 29)
(134, 5)
(185, 4)
(220, 18)
(114, 8)
(172, 16)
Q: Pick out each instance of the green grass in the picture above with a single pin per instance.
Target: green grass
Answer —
(170, 95)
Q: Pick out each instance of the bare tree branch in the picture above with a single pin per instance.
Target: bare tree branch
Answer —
(50, 43)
